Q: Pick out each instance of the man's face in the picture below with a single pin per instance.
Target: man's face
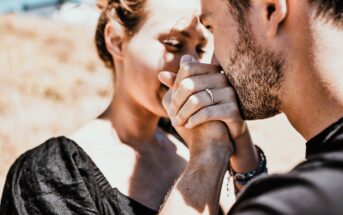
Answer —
(254, 71)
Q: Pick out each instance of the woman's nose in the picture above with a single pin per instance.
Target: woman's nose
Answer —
(214, 60)
(195, 54)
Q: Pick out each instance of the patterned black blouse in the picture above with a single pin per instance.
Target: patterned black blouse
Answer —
(58, 177)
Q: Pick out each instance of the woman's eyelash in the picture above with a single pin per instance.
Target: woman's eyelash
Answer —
(173, 45)
(173, 42)
(201, 49)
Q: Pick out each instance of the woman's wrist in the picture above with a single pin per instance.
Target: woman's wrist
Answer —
(215, 152)
(213, 161)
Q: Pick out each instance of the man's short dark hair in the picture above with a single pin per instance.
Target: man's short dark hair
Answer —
(332, 10)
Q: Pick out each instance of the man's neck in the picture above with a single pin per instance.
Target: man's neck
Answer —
(311, 106)
(312, 117)
(315, 92)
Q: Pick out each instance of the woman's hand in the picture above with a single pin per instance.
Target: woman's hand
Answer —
(201, 94)
(191, 102)
(211, 136)
(200, 136)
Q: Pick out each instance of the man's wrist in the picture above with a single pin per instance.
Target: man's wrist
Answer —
(246, 157)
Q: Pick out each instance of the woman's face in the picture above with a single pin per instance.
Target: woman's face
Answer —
(170, 30)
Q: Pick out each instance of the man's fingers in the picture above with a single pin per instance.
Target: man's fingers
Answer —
(167, 78)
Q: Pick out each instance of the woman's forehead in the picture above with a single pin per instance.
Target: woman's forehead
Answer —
(176, 14)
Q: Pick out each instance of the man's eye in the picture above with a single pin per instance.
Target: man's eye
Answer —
(209, 28)
(173, 45)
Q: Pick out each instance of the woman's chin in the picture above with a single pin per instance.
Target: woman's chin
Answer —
(162, 113)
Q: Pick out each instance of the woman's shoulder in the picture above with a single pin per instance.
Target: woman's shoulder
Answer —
(51, 152)
(51, 159)
(56, 171)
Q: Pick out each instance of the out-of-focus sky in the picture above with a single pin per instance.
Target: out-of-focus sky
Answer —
(80, 12)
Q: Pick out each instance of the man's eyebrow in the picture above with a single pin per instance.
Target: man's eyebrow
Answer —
(204, 16)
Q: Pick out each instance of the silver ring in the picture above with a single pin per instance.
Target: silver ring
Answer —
(209, 92)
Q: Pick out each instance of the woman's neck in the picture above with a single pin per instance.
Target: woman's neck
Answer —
(133, 124)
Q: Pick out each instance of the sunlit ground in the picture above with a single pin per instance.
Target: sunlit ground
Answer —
(51, 82)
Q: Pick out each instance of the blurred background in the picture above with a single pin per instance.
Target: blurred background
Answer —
(52, 82)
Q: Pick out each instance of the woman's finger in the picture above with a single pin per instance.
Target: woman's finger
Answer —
(166, 102)
(201, 100)
(195, 84)
(227, 112)
(190, 67)
(167, 78)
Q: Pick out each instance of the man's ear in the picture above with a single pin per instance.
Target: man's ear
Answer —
(114, 38)
(275, 14)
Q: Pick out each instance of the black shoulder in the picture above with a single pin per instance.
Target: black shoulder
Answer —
(56, 158)
(46, 179)
(50, 155)
(315, 190)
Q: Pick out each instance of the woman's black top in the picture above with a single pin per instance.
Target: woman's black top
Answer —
(58, 177)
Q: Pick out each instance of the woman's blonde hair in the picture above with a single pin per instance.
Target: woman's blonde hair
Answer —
(128, 13)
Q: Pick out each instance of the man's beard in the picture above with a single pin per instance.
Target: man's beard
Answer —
(256, 75)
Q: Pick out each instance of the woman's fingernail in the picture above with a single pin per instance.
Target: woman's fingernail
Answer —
(188, 125)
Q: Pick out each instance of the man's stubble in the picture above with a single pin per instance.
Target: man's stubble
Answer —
(256, 75)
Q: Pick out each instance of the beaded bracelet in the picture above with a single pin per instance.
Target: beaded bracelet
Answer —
(244, 178)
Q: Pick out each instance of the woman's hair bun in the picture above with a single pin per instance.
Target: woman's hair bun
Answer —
(128, 13)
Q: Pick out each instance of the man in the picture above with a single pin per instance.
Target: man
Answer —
(280, 56)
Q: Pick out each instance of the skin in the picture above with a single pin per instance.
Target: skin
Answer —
(190, 106)
(310, 94)
(128, 130)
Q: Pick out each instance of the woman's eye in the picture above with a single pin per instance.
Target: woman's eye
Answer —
(173, 45)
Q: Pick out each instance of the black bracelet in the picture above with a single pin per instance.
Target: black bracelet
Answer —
(244, 178)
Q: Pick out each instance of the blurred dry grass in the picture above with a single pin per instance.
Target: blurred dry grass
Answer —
(51, 82)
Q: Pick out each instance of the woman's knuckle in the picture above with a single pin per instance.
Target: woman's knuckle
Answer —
(187, 85)
(181, 116)
(194, 100)
(206, 113)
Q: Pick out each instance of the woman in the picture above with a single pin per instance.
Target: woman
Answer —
(123, 162)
